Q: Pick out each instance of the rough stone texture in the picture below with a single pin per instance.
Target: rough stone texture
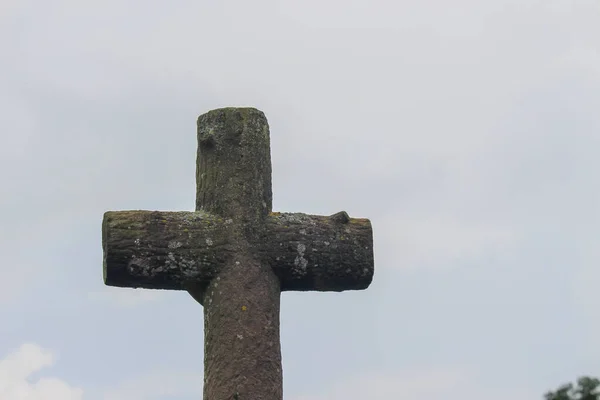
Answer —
(162, 250)
(235, 256)
(233, 173)
(171, 250)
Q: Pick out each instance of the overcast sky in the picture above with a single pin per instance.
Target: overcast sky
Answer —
(467, 131)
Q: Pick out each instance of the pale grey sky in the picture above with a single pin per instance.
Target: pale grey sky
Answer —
(467, 131)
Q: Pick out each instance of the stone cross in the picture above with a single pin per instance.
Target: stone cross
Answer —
(235, 256)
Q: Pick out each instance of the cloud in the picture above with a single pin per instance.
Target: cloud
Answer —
(159, 385)
(441, 240)
(18, 367)
(124, 297)
(585, 60)
(586, 293)
(423, 384)
(15, 374)
(430, 383)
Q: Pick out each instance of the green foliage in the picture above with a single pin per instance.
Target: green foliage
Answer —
(586, 389)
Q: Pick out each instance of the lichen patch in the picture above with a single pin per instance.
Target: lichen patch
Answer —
(173, 244)
(300, 262)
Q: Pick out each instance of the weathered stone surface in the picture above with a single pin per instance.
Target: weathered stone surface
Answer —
(172, 250)
(312, 252)
(235, 256)
(233, 173)
(162, 250)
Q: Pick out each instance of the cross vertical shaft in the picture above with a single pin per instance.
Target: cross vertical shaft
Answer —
(241, 304)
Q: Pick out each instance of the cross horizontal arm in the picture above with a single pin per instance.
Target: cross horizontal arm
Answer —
(313, 252)
(162, 250)
(170, 250)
